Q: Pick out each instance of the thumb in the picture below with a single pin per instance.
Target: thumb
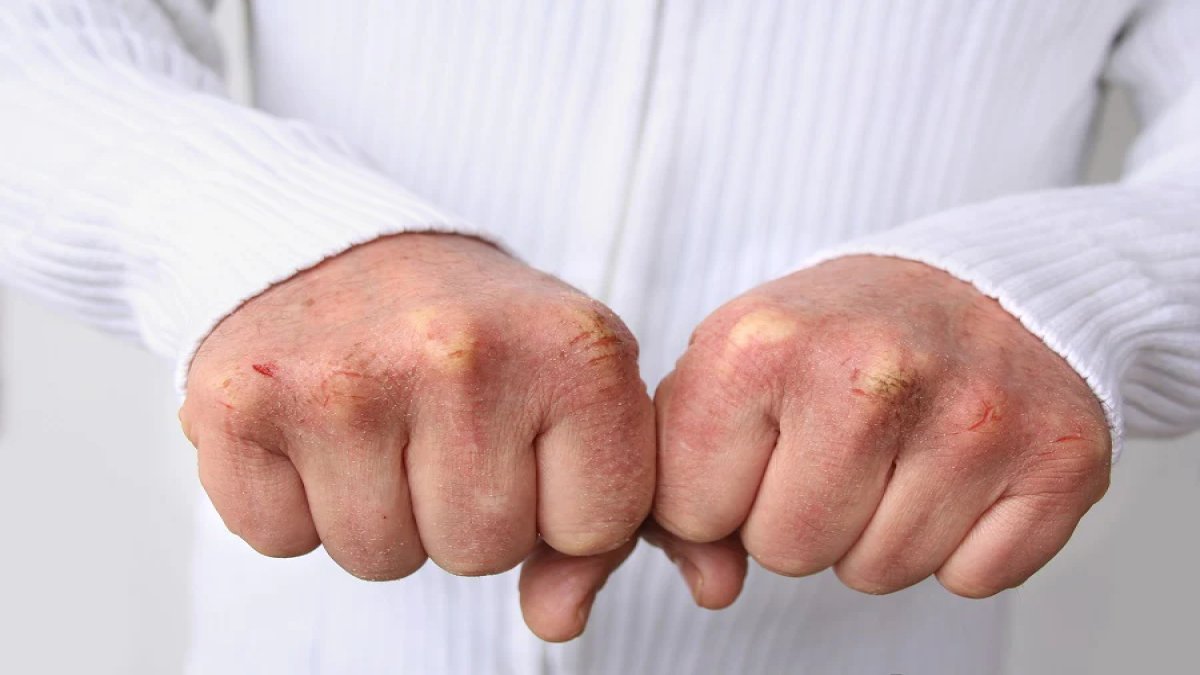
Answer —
(714, 571)
(557, 590)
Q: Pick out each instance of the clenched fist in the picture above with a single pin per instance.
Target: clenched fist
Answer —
(427, 395)
(880, 417)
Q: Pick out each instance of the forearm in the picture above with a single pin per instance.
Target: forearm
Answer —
(1108, 276)
(134, 193)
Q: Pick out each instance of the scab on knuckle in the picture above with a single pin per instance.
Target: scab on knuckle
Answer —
(884, 375)
(591, 338)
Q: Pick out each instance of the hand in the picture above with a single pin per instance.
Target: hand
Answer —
(880, 417)
(427, 395)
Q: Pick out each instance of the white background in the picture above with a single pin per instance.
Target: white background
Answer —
(97, 485)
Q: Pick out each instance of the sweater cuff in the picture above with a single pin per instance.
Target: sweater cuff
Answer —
(238, 208)
(1037, 255)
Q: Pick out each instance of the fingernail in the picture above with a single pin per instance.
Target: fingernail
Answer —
(691, 574)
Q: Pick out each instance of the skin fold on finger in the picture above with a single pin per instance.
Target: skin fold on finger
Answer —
(928, 507)
(596, 471)
(359, 496)
(714, 572)
(714, 441)
(1011, 541)
(828, 471)
(258, 494)
(472, 475)
(595, 451)
(558, 590)
(1028, 526)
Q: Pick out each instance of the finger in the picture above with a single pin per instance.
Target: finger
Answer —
(557, 590)
(257, 493)
(595, 458)
(714, 572)
(929, 505)
(717, 425)
(358, 492)
(471, 467)
(1021, 532)
(828, 471)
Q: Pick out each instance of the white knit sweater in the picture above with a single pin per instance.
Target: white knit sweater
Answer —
(662, 155)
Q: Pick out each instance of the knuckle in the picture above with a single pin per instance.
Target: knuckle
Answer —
(487, 539)
(592, 337)
(879, 576)
(1070, 465)
(481, 555)
(969, 584)
(593, 540)
(689, 525)
(1066, 477)
(748, 341)
(374, 559)
(450, 341)
(804, 551)
(274, 546)
(265, 534)
(886, 375)
(788, 565)
(761, 325)
(473, 566)
(240, 391)
(617, 516)
(187, 426)
(350, 396)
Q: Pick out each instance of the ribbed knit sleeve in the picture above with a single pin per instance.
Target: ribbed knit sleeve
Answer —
(135, 194)
(1108, 276)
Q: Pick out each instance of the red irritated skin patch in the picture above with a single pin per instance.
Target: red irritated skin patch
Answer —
(445, 402)
(916, 428)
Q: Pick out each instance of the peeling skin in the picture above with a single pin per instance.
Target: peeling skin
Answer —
(762, 327)
(595, 337)
(884, 378)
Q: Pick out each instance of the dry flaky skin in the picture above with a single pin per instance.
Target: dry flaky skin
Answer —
(428, 396)
(425, 395)
(881, 417)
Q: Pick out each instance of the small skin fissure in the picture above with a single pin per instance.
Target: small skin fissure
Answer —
(990, 414)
